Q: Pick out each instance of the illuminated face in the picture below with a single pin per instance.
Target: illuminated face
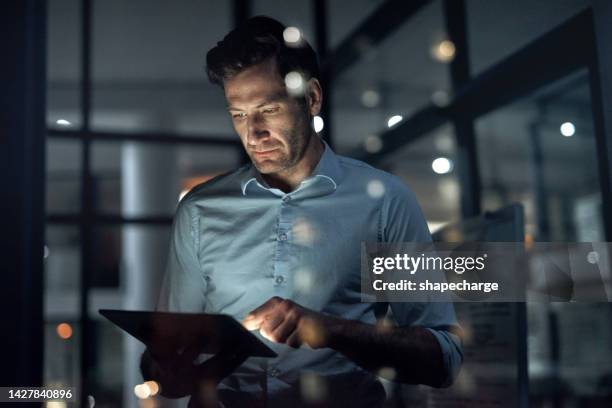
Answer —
(273, 126)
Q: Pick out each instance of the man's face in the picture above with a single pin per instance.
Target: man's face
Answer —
(273, 126)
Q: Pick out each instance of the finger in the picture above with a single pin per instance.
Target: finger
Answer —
(282, 331)
(272, 321)
(253, 323)
(294, 340)
(263, 309)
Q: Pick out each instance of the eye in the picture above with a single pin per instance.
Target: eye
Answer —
(269, 111)
(238, 115)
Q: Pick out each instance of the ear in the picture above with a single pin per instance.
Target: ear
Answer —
(314, 96)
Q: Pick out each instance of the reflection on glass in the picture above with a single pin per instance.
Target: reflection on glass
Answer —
(139, 179)
(427, 167)
(541, 151)
(148, 72)
(391, 80)
(63, 187)
(526, 156)
(493, 33)
(63, 64)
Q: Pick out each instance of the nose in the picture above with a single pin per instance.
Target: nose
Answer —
(256, 129)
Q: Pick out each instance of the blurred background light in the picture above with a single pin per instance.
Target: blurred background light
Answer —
(568, 129)
(64, 331)
(63, 122)
(373, 144)
(370, 98)
(376, 189)
(443, 51)
(318, 123)
(292, 35)
(442, 165)
(394, 120)
(294, 83)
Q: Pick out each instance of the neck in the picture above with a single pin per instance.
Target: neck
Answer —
(288, 180)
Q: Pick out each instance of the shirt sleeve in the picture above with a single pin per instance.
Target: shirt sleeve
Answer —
(183, 287)
(403, 221)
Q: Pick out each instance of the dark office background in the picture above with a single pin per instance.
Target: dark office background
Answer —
(107, 119)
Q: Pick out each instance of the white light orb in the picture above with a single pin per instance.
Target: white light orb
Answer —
(318, 123)
(568, 129)
(394, 120)
(376, 189)
(442, 165)
(292, 35)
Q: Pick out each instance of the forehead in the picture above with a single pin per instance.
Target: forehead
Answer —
(258, 82)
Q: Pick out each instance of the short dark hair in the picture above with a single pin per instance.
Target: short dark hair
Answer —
(254, 41)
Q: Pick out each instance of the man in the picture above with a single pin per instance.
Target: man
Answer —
(276, 244)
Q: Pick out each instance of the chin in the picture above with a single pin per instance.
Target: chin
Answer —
(266, 167)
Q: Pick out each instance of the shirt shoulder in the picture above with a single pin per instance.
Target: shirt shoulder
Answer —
(224, 184)
(394, 187)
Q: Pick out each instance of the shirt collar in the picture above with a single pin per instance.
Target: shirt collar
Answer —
(324, 178)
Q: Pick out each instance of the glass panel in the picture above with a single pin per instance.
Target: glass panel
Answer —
(541, 152)
(62, 355)
(437, 190)
(345, 15)
(146, 179)
(62, 279)
(525, 157)
(291, 13)
(107, 255)
(63, 176)
(498, 28)
(395, 78)
(62, 265)
(63, 64)
(148, 59)
(107, 378)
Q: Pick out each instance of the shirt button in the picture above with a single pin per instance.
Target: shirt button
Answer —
(287, 199)
(282, 236)
(279, 279)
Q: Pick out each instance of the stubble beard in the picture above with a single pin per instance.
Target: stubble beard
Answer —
(298, 143)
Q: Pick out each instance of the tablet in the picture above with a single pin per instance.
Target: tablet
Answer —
(170, 332)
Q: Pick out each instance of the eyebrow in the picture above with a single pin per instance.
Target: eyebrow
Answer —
(271, 99)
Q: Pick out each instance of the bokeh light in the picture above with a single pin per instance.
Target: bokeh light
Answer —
(292, 36)
(64, 331)
(370, 98)
(568, 129)
(318, 123)
(376, 189)
(394, 120)
(373, 144)
(294, 83)
(443, 51)
(442, 165)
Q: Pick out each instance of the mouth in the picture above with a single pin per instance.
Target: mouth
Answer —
(265, 152)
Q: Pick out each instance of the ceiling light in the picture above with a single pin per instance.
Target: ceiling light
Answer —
(63, 122)
(394, 120)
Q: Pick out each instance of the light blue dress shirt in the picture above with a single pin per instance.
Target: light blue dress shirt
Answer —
(236, 243)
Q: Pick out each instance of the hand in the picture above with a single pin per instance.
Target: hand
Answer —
(179, 376)
(284, 321)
